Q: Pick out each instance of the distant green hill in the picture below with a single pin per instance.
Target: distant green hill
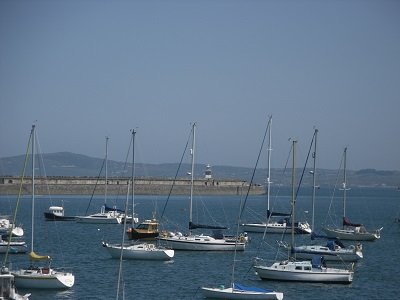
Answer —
(71, 164)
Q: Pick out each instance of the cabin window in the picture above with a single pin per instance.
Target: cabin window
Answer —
(10, 181)
(307, 268)
(299, 268)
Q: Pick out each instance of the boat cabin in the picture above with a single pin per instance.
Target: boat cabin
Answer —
(57, 210)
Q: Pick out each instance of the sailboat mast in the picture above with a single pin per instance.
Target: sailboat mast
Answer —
(269, 162)
(314, 178)
(33, 182)
(133, 177)
(106, 177)
(122, 245)
(344, 181)
(293, 185)
(192, 173)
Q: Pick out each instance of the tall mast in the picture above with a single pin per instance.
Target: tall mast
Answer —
(192, 152)
(106, 183)
(293, 184)
(33, 182)
(344, 181)
(314, 178)
(133, 177)
(269, 163)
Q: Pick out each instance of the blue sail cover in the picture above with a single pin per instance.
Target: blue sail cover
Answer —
(107, 209)
(243, 288)
(316, 261)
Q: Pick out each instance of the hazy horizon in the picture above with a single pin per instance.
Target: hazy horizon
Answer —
(89, 69)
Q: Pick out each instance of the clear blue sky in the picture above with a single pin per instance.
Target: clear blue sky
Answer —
(85, 69)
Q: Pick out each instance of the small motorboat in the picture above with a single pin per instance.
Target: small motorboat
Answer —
(148, 229)
(142, 251)
(56, 213)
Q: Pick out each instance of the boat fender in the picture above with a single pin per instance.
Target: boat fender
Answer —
(242, 238)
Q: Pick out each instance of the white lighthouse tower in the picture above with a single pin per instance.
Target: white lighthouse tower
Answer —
(208, 172)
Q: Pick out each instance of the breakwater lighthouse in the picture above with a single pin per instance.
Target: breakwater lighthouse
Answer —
(208, 173)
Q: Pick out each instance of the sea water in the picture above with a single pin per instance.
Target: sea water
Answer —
(79, 246)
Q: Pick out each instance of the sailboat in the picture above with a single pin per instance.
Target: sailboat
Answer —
(239, 291)
(292, 270)
(350, 231)
(334, 249)
(7, 280)
(40, 277)
(200, 242)
(276, 222)
(140, 251)
(106, 215)
(147, 229)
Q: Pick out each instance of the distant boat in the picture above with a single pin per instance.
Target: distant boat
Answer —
(309, 271)
(56, 213)
(103, 217)
(106, 215)
(350, 231)
(277, 222)
(140, 251)
(6, 226)
(148, 229)
(334, 249)
(13, 246)
(35, 277)
(240, 292)
(200, 242)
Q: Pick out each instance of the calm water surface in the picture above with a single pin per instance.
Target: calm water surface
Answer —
(78, 246)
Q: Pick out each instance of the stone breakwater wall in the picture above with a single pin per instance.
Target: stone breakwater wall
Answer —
(118, 186)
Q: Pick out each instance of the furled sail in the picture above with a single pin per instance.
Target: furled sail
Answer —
(195, 226)
(346, 222)
(277, 214)
(243, 288)
(35, 256)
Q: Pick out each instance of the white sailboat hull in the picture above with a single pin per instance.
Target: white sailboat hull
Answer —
(99, 219)
(284, 271)
(139, 252)
(201, 243)
(15, 247)
(229, 293)
(352, 234)
(275, 227)
(308, 252)
(36, 279)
